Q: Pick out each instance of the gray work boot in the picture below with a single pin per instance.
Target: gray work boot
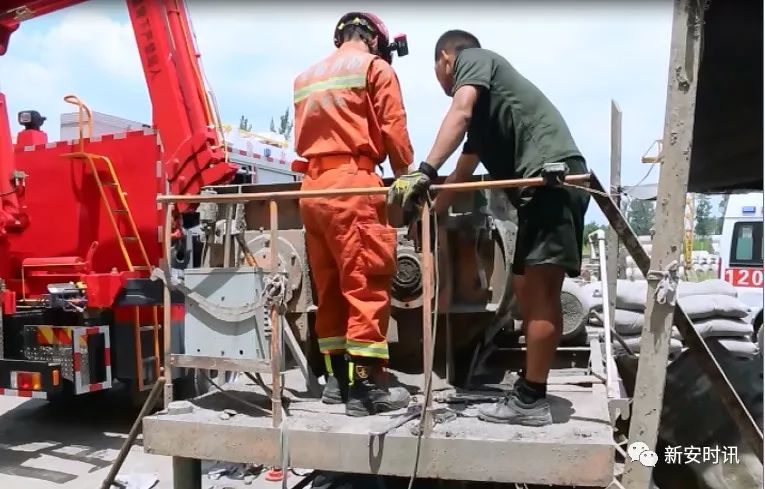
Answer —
(370, 394)
(511, 410)
(336, 388)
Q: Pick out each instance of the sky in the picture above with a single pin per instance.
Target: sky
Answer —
(581, 55)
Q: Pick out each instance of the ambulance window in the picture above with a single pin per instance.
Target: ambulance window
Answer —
(746, 248)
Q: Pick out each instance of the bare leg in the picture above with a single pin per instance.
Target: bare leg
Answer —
(538, 292)
(542, 318)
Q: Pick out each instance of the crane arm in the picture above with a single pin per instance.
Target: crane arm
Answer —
(193, 156)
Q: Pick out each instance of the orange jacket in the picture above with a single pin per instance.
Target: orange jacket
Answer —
(350, 103)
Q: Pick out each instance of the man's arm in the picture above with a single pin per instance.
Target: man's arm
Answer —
(472, 74)
(454, 126)
(388, 105)
(466, 165)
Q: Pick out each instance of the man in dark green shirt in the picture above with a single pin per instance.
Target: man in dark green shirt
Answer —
(514, 130)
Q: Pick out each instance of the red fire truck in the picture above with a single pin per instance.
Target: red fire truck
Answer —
(80, 229)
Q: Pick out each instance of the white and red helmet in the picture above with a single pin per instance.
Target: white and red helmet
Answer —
(374, 25)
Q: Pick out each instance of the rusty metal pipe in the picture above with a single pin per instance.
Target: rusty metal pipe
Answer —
(307, 194)
(276, 357)
(148, 405)
(167, 316)
(427, 320)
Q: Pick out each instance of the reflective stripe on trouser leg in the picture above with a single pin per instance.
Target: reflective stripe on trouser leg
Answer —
(367, 350)
(332, 344)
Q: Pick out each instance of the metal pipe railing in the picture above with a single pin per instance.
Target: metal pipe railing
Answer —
(308, 194)
(598, 249)
(169, 201)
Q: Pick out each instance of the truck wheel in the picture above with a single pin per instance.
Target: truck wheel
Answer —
(64, 398)
(202, 377)
(756, 324)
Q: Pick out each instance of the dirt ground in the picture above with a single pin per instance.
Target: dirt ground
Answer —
(43, 446)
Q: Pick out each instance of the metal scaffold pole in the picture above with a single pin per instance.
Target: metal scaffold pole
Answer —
(687, 28)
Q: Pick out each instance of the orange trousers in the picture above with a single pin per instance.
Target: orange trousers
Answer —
(352, 254)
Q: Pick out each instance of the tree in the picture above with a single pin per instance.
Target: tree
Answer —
(285, 124)
(640, 216)
(244, 124)
(705, 222)
(590, 228)
(722, 206)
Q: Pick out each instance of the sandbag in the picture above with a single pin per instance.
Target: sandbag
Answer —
(717, 305)
(591, 295)
(631, 295)
(631, 323)
(625, 322)
(716, 327)
(713, 286)
(634, 336)
(739, 346)
(633, 342)
(674, 334)
(760, 339)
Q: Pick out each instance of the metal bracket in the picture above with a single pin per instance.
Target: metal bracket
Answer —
(228, 314)
(554, 174)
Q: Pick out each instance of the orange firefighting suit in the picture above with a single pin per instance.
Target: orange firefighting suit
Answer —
(349, 115)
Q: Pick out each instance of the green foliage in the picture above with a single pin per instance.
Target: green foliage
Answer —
(590, 228)
(244, 124)
(705, 222)
(640, 216)
(285, 124)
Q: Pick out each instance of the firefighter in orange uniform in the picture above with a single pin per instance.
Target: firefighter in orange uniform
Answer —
(349, 115)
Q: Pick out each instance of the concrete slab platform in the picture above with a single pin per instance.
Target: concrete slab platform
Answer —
(576, 450)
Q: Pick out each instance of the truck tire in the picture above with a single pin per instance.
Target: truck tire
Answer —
(757, 325)
(202, 384)
(195, 383)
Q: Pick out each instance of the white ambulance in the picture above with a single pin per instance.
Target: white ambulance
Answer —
(741, 250)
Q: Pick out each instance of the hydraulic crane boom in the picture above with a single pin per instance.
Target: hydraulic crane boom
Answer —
(193, 155)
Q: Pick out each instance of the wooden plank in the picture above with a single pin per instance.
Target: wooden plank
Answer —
(613, 270)
(225, 364)
(670, 206)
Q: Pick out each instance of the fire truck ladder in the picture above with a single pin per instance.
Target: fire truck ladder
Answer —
(126, 232)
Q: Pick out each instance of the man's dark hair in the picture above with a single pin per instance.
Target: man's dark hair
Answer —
(456, 40)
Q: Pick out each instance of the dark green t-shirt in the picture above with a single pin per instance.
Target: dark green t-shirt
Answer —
(515, 129)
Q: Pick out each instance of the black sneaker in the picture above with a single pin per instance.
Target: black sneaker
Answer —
(369, 394)
(336, 388)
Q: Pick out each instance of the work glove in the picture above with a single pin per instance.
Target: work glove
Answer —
(410, 191)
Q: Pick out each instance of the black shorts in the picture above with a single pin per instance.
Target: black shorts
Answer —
(551, 225)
